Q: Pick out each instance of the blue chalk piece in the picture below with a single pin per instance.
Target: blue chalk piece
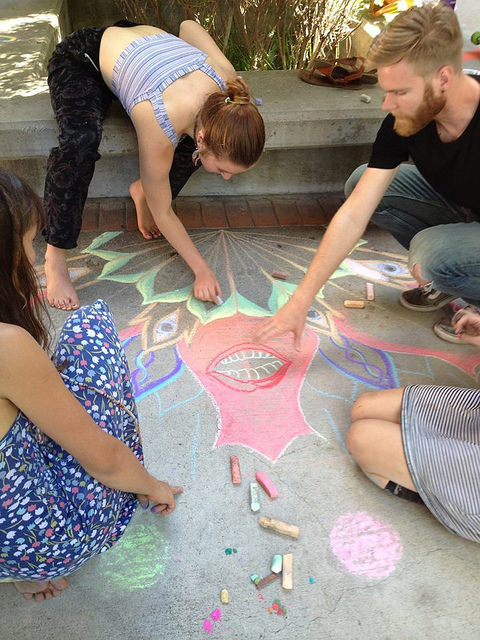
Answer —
(311, 580)
(258, 101)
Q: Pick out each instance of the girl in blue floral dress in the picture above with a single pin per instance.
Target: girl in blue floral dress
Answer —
(71, 470)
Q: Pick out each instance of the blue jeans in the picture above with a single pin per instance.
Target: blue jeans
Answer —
(438, 233)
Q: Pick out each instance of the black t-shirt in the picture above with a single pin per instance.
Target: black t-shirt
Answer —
(452, 168)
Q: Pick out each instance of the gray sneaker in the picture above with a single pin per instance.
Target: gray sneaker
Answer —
(444, 329)
(425, 298)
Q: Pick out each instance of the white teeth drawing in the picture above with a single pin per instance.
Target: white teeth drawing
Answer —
(249, 364)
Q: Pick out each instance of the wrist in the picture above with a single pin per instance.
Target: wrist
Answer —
(200, 268)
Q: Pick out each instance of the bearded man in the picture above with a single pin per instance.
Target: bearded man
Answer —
(430, 206)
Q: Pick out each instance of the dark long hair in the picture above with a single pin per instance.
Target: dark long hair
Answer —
(20, 303)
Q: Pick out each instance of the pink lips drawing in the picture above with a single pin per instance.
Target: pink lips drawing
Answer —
(254, 387)
(247, 367)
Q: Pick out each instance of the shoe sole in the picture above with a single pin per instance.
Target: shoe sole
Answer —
(425, 309)
(444, 335)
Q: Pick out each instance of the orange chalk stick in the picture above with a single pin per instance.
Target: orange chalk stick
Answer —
(354, 304)
(235, 470)
(267, 484)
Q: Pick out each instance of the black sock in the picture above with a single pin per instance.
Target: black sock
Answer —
(403, 492)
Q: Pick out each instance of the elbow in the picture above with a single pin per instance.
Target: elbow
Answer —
(107, 462)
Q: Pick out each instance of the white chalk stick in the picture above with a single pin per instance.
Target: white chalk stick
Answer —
(370, 291)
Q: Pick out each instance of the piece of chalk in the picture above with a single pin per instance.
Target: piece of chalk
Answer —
(365, 98)
(235, 470)
(219, 300)
(370, 291)
(276, 564)
(287, 571)
(267, 580)
(265, 482)
(354, 304)
(255, 578)
(475, 37)
(258, 101)
(279, 275)
(254, 499)
(279, 526)
(224, 596)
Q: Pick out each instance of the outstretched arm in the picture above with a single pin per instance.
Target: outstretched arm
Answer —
(29, 380)
(156, 156)
(343, 232)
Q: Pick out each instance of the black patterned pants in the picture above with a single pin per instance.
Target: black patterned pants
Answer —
(80, 99)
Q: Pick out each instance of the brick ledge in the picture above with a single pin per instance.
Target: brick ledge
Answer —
(116, 214)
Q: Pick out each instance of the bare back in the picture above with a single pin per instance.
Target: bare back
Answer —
(183, 98)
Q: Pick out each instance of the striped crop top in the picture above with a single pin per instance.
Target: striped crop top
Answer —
(147, 66)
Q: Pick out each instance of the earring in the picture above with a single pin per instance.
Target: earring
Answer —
(196, 157)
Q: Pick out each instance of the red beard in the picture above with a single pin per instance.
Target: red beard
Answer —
(426, 112)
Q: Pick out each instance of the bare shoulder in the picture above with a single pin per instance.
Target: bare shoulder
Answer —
(13, 337)
(223, 67)
(17, 349)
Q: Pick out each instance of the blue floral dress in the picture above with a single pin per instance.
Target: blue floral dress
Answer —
(54, 515)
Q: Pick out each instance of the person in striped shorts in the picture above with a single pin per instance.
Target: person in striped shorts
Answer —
(422, 443)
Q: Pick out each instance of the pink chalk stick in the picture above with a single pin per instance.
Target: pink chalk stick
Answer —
(267, 484)
(235, 470)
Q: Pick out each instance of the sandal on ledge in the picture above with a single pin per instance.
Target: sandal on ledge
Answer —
(348, 73)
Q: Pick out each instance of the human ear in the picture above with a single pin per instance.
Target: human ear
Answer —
(444, 77)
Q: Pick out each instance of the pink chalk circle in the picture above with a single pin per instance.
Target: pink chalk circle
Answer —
(365, 546)
(207, 625)
(216, 615)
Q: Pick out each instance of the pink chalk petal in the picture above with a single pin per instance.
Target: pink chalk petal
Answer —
(366, 547)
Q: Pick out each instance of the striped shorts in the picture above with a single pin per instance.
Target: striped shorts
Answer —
(441, 441)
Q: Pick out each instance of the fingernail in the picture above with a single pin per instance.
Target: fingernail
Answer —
(145, 505)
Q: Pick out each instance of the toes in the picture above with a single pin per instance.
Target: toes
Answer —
(59, 583)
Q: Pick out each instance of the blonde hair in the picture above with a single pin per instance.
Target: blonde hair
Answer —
(427, 37)
(232, 125)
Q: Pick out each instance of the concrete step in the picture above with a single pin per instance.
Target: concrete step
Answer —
(315, 135)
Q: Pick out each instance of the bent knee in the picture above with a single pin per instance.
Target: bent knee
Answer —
(357, 439)
(363, 405)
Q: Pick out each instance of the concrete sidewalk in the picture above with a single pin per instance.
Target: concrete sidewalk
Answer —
(366, 564)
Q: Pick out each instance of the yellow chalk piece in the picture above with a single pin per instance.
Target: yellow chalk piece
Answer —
(224, 596)
(354, 304)
(287, 571)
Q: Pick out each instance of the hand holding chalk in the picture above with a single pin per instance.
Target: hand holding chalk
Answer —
(206, 286)
(163, 498)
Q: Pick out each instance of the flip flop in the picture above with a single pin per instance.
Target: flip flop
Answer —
(348, 73)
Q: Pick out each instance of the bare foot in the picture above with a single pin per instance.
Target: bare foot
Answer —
(40, 591)
(60, 291)
(145, 221)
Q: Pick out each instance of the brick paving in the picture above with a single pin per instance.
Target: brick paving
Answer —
(313, 209)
